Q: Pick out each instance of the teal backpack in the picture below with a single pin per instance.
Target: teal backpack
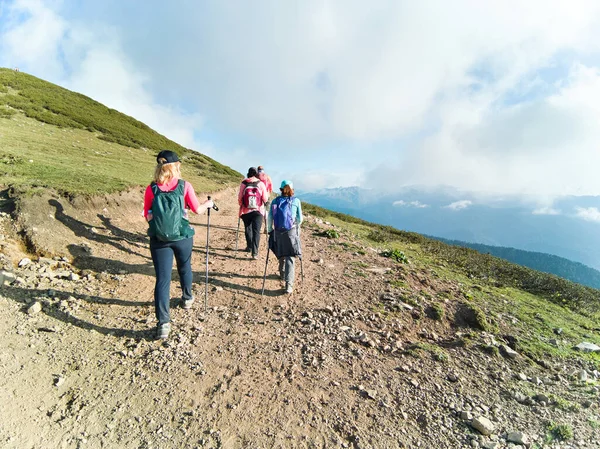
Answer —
(169, 219)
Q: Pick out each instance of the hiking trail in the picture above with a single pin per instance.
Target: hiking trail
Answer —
(342, 362)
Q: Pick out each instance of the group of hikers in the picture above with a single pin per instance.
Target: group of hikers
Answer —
(167, 201)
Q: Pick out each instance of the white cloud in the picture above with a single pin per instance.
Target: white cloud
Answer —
(490, 97)
(313, 180)
(91, 61)
(588, 213)
(417, 204)
(459, 205)
(546, 211)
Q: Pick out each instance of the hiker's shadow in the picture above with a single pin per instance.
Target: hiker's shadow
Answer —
(82, 229)
(213, 280)
(135, 238)
(212, 252)
(83, 260)
(222, 228)
(54, 310)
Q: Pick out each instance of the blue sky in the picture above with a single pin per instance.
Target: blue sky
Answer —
(495, 97)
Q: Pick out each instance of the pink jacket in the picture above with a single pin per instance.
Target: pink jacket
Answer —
(189, 196)
(263, 191)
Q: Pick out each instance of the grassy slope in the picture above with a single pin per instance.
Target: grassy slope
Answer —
(52, 137)
(515, 300)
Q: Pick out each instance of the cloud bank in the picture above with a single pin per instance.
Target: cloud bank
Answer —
(498, 97)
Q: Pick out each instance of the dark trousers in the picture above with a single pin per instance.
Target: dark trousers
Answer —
(252, 224)
(162, 257)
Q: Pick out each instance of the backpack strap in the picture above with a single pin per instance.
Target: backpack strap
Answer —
(155, 190)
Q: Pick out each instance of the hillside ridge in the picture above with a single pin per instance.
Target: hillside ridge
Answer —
(55, 138)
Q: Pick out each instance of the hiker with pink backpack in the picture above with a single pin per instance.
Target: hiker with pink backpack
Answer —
(252, 198)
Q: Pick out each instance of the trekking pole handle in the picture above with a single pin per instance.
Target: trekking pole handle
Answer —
(214, 205)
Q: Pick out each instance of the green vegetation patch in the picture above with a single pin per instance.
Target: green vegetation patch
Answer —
(560, 432)
(436, 312)
(395, 255)
(69, 142)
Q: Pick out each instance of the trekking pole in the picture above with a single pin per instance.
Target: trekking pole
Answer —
(207, 237)
(262, 293)
(237, 236)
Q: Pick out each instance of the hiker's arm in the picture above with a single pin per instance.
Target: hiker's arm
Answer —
(299, 216)
(265, 193)
(240, 194)
(191, 200)
(148, 198)
(270, 219)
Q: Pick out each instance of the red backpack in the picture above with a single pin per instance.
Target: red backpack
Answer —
(251, 197)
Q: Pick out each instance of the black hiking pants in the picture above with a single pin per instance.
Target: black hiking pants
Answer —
(252, 224)
(162, 256)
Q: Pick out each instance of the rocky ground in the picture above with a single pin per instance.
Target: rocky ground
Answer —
(343, 362)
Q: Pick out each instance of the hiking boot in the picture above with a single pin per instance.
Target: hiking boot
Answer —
(163, 330)
(187, 303)
(289, 289)
(254, 256)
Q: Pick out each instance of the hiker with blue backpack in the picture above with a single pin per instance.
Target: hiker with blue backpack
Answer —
(252, 198)
(283, 225)
(166, 203)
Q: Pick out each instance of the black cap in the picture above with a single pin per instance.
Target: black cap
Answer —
(168, 155)
(252, 172)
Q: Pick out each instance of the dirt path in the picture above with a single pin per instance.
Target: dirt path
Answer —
(329, 366)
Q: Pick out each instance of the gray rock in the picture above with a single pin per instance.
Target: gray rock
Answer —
(371, 394)
(582, 376)
(379, 270)
(508, 352)
(24, 262)
(467, 416)
(483, 425)
(587, 347)
(491, 445)
(58, 381)
(453, 377)
(541, 398)
(73, 277)
(36, 307)
(520, 397)
(6, 277)
(522, 376)
(518, 438)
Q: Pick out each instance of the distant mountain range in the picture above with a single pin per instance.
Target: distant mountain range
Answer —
(561, 239)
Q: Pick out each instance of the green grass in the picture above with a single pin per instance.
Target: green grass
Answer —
(560, 432)
(55, 138)
(451, 260)
(498, 296)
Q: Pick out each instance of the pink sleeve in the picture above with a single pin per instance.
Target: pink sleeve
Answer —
(240, 194)
(190, 197)
(148, 198)
(265, 193)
